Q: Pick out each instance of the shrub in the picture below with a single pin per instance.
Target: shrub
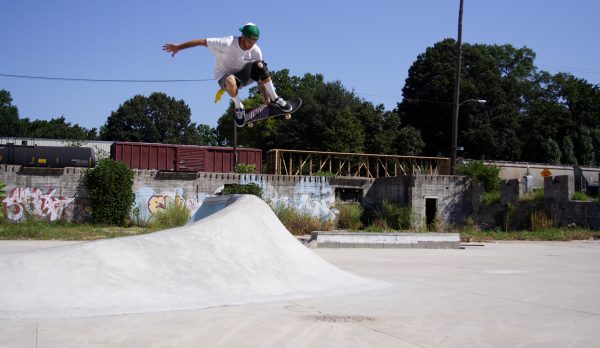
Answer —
(2, 193)
(174, 216)
(491, 198)
(487, 174)
(243, 168)
(247, 189)
(350, 215)
(396, 217)
(110, 187)
(300, 222)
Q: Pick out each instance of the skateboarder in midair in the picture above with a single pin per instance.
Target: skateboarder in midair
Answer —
(239, 62)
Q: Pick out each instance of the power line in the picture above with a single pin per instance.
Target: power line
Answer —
(100, 80)
(570, 69)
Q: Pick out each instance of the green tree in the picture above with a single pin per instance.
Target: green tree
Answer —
(553, 153)
(498, 74)
(331, 119)
(9, 116)
(568, 151)
(157, 118)
(409, 142)
(57, 128)
(207, 135)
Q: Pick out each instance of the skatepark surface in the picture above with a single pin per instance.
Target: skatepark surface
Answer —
(238, 280)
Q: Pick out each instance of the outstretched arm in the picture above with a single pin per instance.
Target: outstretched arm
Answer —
(174, 48)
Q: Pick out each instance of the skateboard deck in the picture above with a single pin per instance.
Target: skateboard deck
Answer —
(264, 112)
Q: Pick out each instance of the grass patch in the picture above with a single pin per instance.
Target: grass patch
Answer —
(60, 230)
(582, 196)
(350, 215)
(174, 216)
(551, 234)
(536, 196)
(299, 222)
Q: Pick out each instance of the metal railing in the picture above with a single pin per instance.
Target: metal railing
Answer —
(298, 162)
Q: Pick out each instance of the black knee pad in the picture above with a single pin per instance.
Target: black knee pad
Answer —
(257, 73)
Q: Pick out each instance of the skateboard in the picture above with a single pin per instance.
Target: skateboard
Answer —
(264, 112)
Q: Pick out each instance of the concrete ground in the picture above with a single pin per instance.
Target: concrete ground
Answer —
(513, 294)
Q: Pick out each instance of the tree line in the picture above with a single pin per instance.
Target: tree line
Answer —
(529, 114)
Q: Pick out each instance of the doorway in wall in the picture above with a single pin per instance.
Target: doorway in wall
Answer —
(430, 211)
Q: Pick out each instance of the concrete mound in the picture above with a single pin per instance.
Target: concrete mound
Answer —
(236, 252)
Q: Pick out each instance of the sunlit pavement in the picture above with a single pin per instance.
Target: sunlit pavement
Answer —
(527, 294)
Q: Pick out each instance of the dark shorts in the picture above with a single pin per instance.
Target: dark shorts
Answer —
(252, 71)
(242, 77)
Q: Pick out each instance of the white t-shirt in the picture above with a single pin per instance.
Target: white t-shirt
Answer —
(230, 58)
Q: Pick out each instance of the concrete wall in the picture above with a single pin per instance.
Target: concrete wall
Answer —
(558, 194)
(58, 194)
(517, 170)
(452, 193)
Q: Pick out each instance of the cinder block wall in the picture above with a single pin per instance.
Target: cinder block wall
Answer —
(558, 193)
(452, 193)
(61, 195)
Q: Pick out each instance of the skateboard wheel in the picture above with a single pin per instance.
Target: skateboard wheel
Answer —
(250, 125)
(288, 116)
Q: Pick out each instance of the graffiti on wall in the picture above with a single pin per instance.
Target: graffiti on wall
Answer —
(150, 202)
(313, 197)
(23, 201)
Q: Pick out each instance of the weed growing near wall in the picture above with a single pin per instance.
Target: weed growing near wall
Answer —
(395, 217)
(299, 222)
(540, 221)
(2, 193)
(174, 216)
(350, 215)
(110, 187)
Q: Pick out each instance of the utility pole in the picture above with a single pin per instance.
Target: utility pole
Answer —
(235, 153)
(456, 91)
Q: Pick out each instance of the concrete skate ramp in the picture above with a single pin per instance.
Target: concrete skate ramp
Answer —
(239, 254)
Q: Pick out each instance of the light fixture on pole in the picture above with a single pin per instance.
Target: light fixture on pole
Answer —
(456, 91)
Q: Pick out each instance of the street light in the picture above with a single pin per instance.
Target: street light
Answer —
(455, 132)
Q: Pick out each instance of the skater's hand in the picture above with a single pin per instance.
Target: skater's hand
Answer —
(171, 48)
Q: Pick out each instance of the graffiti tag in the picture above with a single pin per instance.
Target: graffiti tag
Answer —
(35, 201)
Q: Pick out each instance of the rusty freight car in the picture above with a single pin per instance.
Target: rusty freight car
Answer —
(183, 158)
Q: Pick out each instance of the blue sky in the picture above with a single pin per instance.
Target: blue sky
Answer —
(367, 45)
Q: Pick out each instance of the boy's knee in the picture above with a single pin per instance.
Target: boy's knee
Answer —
(230, 82)
(259, 71)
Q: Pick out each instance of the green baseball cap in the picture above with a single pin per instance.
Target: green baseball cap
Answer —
(250, 30)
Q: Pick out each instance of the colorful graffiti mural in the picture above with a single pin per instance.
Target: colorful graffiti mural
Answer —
(41, 203)
(150, 202)
(313, 197)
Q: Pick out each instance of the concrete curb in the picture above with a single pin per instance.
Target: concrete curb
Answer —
(344, 239)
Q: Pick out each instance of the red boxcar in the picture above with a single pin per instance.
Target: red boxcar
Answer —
(183, 158)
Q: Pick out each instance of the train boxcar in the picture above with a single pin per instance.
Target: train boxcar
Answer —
(47, 156)
(182, 158)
